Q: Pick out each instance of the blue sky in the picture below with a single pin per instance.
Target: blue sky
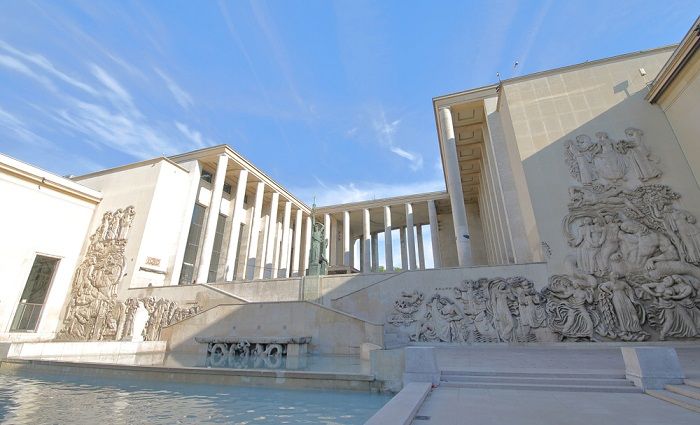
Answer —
(331, 99)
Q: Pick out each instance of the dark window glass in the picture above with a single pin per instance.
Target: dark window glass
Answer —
(34, 294)
(206, 176)
(238, 252)
(192, 248)
(227, 188)
(216, 250)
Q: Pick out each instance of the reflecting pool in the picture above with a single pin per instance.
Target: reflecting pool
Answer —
(308, 363)
(32, 398)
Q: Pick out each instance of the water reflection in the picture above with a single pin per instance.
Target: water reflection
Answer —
(311, 363)
(29, 398)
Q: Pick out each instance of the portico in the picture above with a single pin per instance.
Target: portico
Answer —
(252, 228)
(490, 215)
(365, 237)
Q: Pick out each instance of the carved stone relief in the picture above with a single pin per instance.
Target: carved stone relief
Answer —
(484, 310)
(632, 274)
(633, 271)
(94, 313)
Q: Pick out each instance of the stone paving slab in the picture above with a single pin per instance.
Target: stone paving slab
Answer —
(462, 406)
(589, 357)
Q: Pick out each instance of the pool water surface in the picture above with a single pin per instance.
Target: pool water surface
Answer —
(33, 398)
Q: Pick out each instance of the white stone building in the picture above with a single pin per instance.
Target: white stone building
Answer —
(583, 178)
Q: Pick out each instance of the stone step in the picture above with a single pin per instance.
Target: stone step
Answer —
(693, 382)
(547, 380)
(543, 374)
(685, 390)
(677, 399)
(544, 387)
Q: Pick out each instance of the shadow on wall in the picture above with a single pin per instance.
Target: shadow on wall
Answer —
(552, 197)
(331, 332)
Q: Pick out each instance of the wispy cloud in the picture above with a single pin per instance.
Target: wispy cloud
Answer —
(19, 129)
(123, 132)
(105, 115)
(19, 66)
(192, 135)
(415, 159)
(253, 70)
(385, 132)
(181, 96)
(116, 92)
(268, 28)
(532, 36)
(340, 193)
(46, 65)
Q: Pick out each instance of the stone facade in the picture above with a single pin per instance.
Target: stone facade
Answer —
(570, 215)
(94, 313)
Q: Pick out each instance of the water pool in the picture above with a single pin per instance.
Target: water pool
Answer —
(33, 398)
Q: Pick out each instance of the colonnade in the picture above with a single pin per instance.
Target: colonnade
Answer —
(270, 237)
(261, 243)
(503, 231)
(342, 241)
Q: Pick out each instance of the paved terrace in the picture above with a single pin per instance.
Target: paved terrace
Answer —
(484, 406)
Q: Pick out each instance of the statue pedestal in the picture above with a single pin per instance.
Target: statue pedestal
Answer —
(652, 368)
(421, 366)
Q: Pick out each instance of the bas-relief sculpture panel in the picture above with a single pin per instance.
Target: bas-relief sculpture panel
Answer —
(632, 272)
(94, 313)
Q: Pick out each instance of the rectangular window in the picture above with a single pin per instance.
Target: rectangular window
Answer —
(216, 250)
(192, 248)
(34, 294)
(227, 188)
(206, 176)
(238, 251)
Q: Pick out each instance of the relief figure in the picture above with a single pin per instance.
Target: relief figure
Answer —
(580, 159)
(638, 156)
(626, 308)
(588, 242)
(678, 315)
(608, 161)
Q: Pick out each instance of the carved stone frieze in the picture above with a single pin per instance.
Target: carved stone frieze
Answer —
(484, 310)
(94, 313)
(633, 272)
(607, 161)
(405, 309)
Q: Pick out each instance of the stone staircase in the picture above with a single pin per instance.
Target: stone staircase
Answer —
(538, 381)
(687, 395)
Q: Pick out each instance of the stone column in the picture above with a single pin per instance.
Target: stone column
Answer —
(366, 241)
(388, 254)
(434, 238)
(278, 250)
(307, 245)
(346, 239)
(404, 249)
(236, 221)
(327, 236)
(454, 187)
(297, 244)
(375, 252)
(289, 251)
(421, 249)
(361, 246)
(255, 232)
(410, 237)
(194, 168)
(271, 237)
(212, 219)
(284, 256)
(352, 252)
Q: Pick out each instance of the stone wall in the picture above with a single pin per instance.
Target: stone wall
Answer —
(331, 332)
